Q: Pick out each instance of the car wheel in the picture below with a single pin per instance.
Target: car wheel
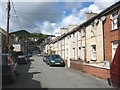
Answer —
(49, 64)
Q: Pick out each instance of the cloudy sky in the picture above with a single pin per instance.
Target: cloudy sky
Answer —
(48, 17)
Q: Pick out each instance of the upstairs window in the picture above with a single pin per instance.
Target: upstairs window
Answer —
(83, 33)
(115, 20)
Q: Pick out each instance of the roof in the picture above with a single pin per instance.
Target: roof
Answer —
(3, 31)
(86, 23)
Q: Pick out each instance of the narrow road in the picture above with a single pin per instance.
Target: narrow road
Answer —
(39, 75)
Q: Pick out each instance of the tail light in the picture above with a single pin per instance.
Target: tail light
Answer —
(9, 61)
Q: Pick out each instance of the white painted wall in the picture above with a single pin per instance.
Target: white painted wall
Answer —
(17, 47)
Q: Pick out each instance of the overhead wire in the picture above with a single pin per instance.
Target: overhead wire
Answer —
(41, 13)
(28, 20)
(4, 16)
(16, 15)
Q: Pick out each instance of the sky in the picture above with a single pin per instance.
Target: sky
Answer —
(47, 17)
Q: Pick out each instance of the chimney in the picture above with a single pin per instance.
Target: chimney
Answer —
(89, 15)
(63, 30)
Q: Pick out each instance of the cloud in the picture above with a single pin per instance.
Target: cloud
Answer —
(104, 3)
(71, 19)
(48, 27)
(49, 17)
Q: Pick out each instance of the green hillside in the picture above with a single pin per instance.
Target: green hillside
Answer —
(23, 34)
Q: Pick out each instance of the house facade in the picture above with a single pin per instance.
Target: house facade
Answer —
(111, 33)
(3, 35)
(94, 42)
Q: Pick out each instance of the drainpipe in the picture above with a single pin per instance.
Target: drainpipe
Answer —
(77, 44)
(64, 48)
(85, 46)
(103, 41)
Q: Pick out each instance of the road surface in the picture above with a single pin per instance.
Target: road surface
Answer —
(39, 75)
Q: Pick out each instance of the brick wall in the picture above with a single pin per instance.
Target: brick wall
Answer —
(77, 65)
(109, 36)
(95, 71)
(98, 72)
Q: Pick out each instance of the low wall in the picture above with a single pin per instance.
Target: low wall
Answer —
(92, 70)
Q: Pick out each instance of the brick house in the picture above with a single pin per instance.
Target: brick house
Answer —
(111, 31)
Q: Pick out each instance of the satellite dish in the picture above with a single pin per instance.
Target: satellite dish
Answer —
(103, 18)
(96, 21)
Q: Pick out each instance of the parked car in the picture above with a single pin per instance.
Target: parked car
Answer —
(9, 68)
(21, 58)
(47, 60)
(40, 54)
(27, 56)
(56, 59)
(114, 79)
(44, 58)
(30, 54)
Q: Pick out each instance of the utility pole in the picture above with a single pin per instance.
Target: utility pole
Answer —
(7, 26)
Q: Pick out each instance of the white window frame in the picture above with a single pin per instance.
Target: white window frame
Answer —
(80, 51)
(114, 47)
(114, 20)
(83, 33)
(73, 53)
(94, 55)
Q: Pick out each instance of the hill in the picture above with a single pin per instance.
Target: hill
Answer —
(23, 34)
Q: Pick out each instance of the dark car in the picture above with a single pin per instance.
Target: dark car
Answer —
(27, 56)
(9, 68)
(114, 79)
(56, 60)
(47, 60)
(21, 58)
(44, 58)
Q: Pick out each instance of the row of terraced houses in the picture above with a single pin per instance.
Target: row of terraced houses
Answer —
(90, 46)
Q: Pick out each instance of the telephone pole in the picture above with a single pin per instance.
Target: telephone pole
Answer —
(7, 26)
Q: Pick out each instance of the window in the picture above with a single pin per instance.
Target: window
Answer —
(92, 31)
(115, 20)
(80, 52)
(93, 52)
(67, 53)
(114, 46)
(73, 34)
(67, 37)
(83, 33)
(73, 52)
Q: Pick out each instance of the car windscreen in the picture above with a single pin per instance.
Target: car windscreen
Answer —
(56, 57)
(20, 53)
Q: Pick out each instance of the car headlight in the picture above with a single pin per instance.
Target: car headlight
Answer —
(52, 61)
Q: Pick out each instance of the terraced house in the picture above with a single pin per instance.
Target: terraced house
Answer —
(90, 46)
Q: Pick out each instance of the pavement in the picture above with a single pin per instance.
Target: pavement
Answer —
(37, 74)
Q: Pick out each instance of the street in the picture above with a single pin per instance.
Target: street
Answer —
(39, 75)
